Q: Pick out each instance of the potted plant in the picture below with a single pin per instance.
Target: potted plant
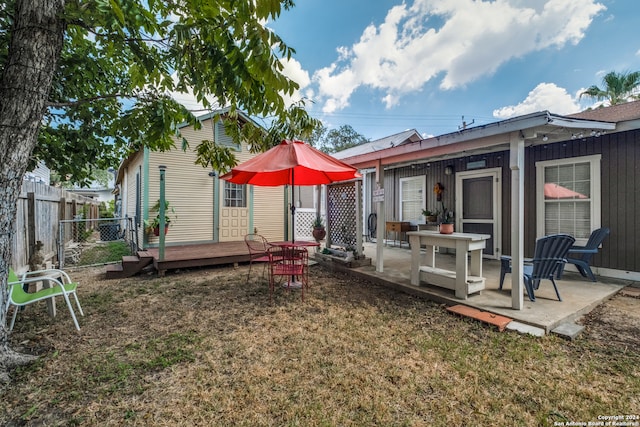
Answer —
(153, 226)
(430, 216)
(446, 221)
(446, 216)
(319, 231)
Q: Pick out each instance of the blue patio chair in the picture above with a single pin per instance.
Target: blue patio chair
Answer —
(580, 256)
(549, 255)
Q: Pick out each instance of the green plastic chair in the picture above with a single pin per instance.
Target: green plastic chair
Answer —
(61, 285)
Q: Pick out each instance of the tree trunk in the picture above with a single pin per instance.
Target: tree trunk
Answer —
(34, 49)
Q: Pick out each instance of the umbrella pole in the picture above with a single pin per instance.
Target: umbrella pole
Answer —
(293, 219)
(293, 208)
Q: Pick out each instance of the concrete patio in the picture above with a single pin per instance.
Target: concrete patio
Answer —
(578, 296)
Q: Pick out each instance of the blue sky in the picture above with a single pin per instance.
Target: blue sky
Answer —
(384, 66)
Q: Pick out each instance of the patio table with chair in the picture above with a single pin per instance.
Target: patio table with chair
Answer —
(466, 279)
(289, 260)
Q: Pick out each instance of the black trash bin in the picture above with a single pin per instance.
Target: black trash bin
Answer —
(109, 232)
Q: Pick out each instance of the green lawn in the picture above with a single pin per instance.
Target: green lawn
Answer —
(204, 347)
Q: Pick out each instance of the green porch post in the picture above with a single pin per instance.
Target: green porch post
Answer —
(162, 208)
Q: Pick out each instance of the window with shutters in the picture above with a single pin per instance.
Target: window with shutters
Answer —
(568, 195)
(412, 194)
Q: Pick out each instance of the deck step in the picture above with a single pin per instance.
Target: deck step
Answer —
(114, 271)
(130, 266)
(145, 254)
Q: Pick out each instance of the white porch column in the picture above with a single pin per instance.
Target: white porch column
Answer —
(516, 163)
(380, 225)
(359, 243)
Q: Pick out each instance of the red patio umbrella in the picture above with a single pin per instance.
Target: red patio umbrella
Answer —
(555, 191)
(291, 163)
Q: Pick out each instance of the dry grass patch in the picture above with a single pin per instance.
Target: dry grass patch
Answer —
(203, 347)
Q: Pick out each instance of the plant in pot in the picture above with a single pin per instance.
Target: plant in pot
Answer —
(446, 217)
(319, 231)
(446, 221)
(153, 225)
(430, 216)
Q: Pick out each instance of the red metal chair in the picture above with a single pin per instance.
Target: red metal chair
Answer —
(290, 263)
(257, 246)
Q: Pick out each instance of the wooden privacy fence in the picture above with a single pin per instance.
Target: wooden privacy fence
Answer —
(40, 210)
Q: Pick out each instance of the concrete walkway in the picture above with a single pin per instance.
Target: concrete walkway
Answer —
(578, 296)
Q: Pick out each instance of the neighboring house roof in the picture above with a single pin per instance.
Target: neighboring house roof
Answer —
(221, 111)
(614, 113)
(410, 135)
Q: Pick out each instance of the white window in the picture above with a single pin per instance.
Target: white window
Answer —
(412, 198)
(235, 195)
(568, 196)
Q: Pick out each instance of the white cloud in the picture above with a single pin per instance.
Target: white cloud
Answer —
(460, 40)
(545, 96)
(189, 101)
(294, 71)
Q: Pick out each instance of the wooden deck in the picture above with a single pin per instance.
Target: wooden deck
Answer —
(198, 255)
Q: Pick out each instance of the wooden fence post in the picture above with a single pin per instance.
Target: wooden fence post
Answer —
(31, 224)
(62, 205)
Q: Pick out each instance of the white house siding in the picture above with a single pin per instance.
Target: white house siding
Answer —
(189, 190)
(40, 174)
(268, 216)
(128, 185)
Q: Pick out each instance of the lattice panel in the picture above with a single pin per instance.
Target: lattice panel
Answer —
(341, 214)
(304, 223)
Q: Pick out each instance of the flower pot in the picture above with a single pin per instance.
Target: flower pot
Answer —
(446, 228)
(156, 230)
(319, 233)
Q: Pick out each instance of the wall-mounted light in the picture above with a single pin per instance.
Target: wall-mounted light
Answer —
(448, 170)
(212, 174)
(545, 138)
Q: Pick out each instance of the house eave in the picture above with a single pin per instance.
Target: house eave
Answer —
(531, 127)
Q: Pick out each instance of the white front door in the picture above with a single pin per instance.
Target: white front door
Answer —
(234, 212)
(478, 206)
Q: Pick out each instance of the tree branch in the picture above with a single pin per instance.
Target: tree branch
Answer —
(85, 100)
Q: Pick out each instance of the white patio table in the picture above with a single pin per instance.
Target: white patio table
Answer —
(465, 280)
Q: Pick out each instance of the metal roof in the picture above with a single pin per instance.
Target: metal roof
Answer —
(535, 128)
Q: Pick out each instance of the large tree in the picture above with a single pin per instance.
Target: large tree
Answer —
(617, 88)
(339, 139)
(85, 81)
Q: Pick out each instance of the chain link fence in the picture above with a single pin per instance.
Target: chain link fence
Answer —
(88, 242)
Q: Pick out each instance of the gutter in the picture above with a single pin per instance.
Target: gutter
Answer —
(489, 135)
